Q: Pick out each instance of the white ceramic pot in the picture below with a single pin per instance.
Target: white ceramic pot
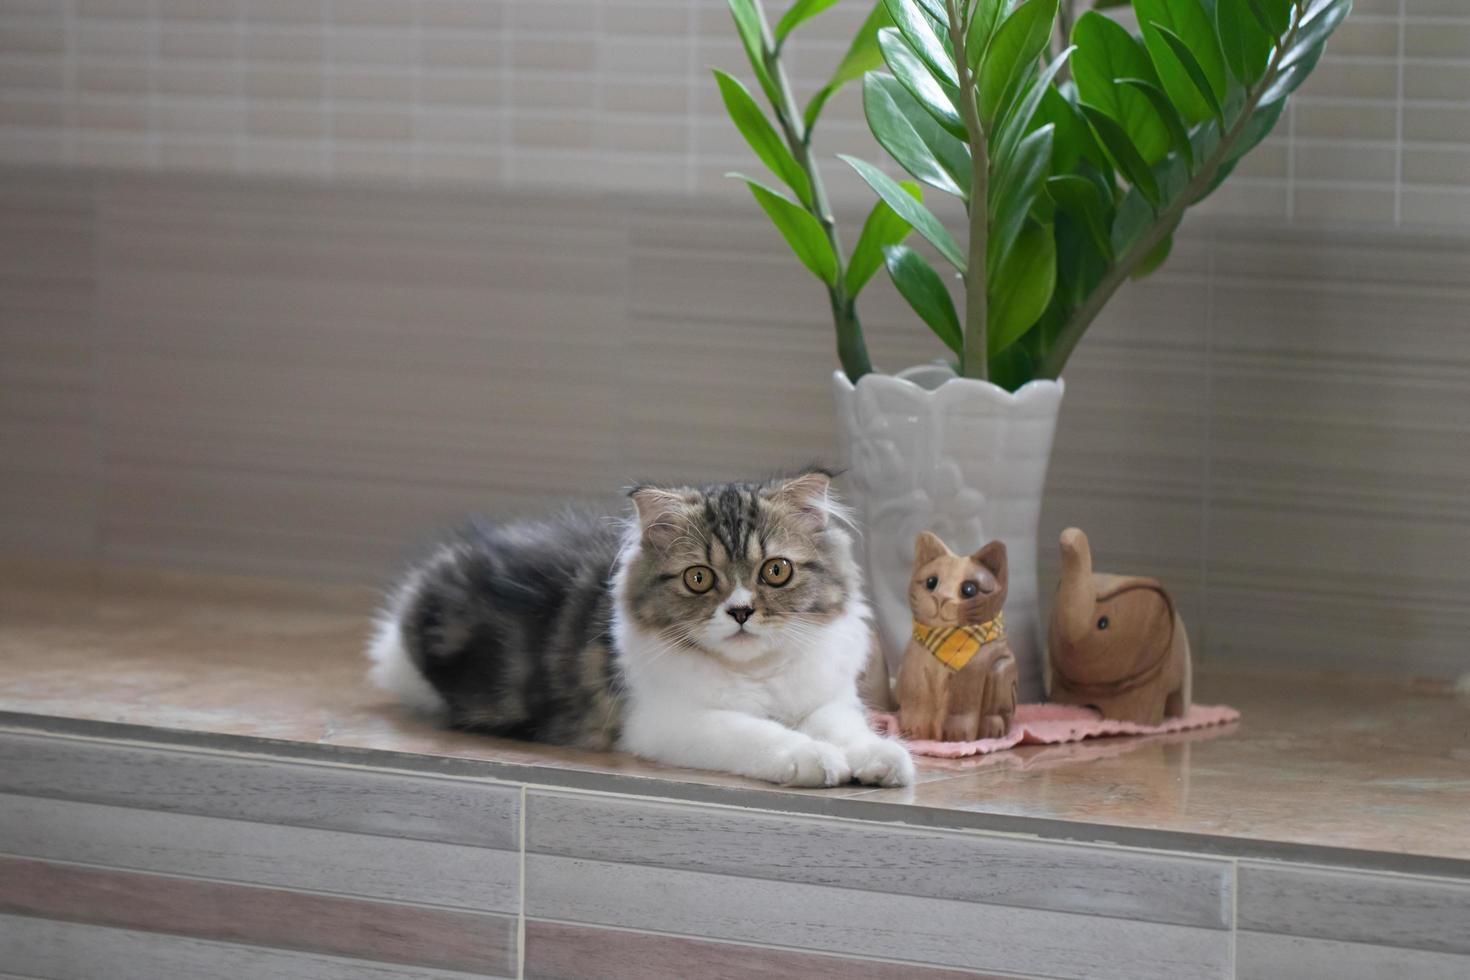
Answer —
(966, 459)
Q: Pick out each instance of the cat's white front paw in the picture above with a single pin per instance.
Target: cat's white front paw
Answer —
(881, 762)
(811, 763)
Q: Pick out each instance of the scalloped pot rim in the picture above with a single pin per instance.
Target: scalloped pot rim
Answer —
(1041, 388)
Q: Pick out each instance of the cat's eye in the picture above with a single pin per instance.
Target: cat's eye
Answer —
(1102, 623)
(776, 572)
(699, 579)
(969, 590)
(931, 583)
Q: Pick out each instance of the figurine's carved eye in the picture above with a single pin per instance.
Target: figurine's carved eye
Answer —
(699, 579)
(1102, 623)
(969, 590)
(776, 572)
(931, 583)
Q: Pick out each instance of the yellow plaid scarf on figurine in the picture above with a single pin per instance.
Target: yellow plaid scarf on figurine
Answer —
(954, 646)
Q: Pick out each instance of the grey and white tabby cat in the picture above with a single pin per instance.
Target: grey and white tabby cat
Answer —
(720, 627)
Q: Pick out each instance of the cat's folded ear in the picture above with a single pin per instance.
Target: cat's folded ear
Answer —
(993, 557)
(809, 497)
(662, 514)
(928, 547)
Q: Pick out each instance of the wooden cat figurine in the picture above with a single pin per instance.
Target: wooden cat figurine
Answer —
(958, 678)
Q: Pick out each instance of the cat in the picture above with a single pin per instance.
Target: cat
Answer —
(957, 681)
(719, 627)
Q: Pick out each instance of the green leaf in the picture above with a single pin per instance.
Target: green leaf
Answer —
(1168, 115)
(1016, 118)
(883, 227)
(1289, 79)
(1014, 191)
(750, 24)
(762, 136)
(1022, 288)
(1315, 28)
(909, 70)
(913, 138)
(935, 9)
(1133, 218)
(1192, 68)
(983, 20)
(1189, 22)
(1079, 197)
(1123, 152)
(1153, 258)
(910, 210)
(1012, 367)
(1073, 141)
(802, 231)
(1274, 16)
(916, 29)
(1017, 43)
(1257, 128)
(801, 10)
(1107, 52)
(1246, 45)
(1081, 265)
(918, 283)
(862, 56)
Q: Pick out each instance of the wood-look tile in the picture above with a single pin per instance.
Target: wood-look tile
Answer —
(452, 811)
(844, 920)
(1256, 613)
(1355, 907)
(50, 460)
(390, 868)
(1263, 956)
(418, 935)
(562, 951)
(69, 951)
(1085, 880)
(344, 342)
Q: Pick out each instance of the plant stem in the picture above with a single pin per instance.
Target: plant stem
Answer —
(852, 349)
(1071, 332)
(974, 360)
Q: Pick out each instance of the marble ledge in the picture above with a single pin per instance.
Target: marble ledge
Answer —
(1335, 770)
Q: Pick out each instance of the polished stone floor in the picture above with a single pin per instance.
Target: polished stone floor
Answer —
(1325, 761)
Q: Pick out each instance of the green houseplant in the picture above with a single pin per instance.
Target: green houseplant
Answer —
(1075, 146)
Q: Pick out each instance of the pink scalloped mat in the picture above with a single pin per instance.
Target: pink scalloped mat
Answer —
(1052, 724)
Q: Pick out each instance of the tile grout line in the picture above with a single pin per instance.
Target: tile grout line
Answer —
(240, 62)
(153, 135)
(1234, 916)
(1398, 120)
(70, 124)
(521, 883)
(1291, 161)
(505, 105)
(691, 98)
(1207, 460)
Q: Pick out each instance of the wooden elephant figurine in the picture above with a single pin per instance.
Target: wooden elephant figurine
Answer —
(1116, 642)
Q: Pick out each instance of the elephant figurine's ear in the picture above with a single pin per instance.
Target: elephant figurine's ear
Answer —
(993, 557)
(928, 548)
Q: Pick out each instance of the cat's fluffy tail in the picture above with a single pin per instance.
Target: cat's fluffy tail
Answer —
(393, 668)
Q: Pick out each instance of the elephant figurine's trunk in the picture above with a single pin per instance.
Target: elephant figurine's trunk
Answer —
(1075, 596)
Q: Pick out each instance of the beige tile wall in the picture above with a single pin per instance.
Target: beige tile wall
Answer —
(287, 379)
(616, 94)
